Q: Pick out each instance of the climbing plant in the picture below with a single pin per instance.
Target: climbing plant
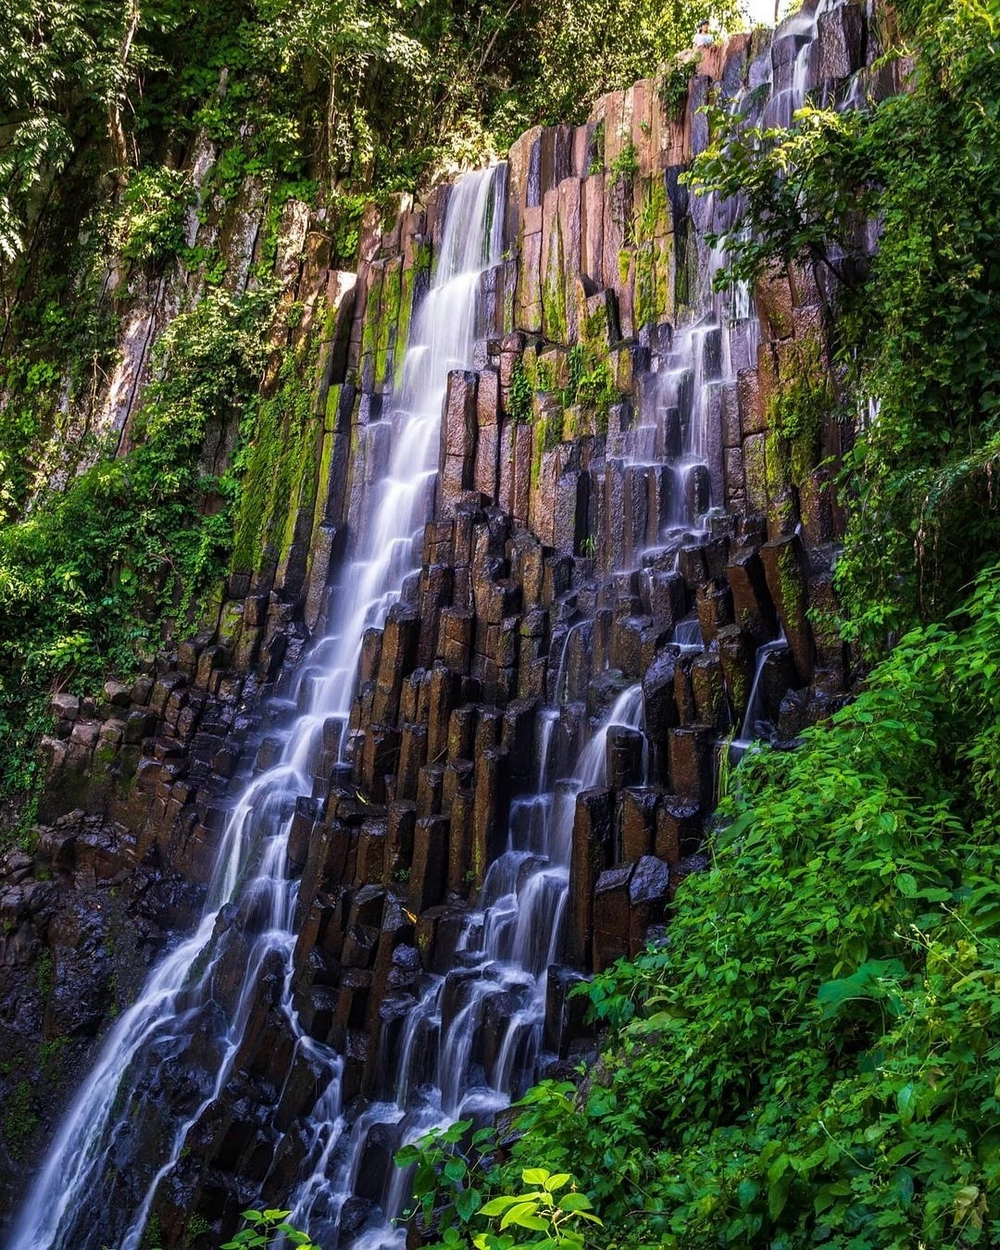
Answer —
(918, 321)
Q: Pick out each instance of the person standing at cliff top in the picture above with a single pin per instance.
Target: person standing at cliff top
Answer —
(704, 37)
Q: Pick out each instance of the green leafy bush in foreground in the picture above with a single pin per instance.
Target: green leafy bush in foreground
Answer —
(261, 1228)
(813, 1057)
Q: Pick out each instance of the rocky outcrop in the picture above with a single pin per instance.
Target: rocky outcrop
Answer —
(562, 566)
(83, 913)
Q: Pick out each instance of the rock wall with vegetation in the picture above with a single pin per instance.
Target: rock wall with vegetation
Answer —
(731, 1102)
(542, 523)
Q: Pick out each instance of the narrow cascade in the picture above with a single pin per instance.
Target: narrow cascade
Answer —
(474, 1039)
(169, 1056)
(755, 712)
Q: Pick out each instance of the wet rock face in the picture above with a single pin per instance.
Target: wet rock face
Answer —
(81, 921)
(587, 538)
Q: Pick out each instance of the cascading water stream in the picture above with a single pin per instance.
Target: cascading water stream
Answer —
(754, 710)
(79, 1195)
(503, 954)
(189, 1022)
(707, 351)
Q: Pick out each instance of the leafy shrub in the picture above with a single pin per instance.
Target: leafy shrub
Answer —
(814, 1055)
(263, 1228)
(150, 225)
(92, 574)
(918, 323)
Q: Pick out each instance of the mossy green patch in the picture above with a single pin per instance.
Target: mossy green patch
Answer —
(547, 434)
(554, 322)
(280, 464)
(20, 1120)
(624, 264)
(800, 405)
(652, 215)
(387, 319)
(370, 326)
(552, 370)
(519, 397)
(653, 288)
(685, 258)
(403, 325)
(591, 384)
(777, 464)
(45, 973)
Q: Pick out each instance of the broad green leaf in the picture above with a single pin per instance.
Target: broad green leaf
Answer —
(497, 1206)
(575, 1202)
(468, 1202)
(520, 1212)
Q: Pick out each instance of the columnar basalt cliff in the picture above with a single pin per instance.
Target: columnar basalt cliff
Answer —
(628, 561)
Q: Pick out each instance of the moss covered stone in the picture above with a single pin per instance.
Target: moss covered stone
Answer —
(554, 322)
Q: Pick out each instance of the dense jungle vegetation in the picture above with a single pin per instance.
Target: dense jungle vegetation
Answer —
(813, 1055)
(333, 101)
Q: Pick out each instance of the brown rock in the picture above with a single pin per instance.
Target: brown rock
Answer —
(593, 833)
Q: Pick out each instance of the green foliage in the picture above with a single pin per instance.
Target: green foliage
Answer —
(45, 973)
(196, 1226)
(799, 407)
(40, 52)
(919, 324)
(591, 383)
(673, 83)
(814, 1055)
(589, 47)
(519, 403)
(93, 573)
(363, 93)
(19, 1120)
(279, 444)
(625, 165)
(539, 1208)
(150, 226)
(50, 1052)
(453, 1166)
(799, 187)
(262, 1227)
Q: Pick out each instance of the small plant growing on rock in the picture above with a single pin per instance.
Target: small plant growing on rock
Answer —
(519, 401)
(625, 166)
(672, 84)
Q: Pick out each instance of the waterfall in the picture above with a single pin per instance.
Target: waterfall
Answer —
(188, 1010)
(504, 953)
(473, 1036)
(755, 709)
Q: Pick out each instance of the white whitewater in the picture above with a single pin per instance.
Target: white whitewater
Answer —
(441, 1069)
(77, 1187)
(504, 955)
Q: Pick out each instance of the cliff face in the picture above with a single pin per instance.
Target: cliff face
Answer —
(619, 504)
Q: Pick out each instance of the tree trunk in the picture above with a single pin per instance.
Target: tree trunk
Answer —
(116, 131)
